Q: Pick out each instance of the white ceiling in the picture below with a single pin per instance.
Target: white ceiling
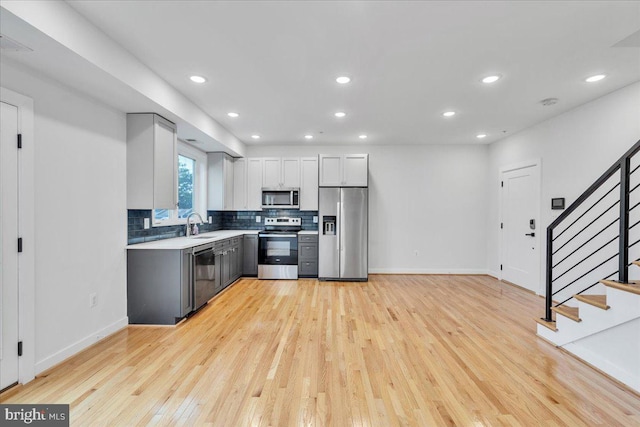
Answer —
(275, 63)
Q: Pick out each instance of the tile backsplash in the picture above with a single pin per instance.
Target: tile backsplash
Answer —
(221, 220)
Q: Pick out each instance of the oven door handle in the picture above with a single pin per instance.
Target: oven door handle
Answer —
(277, 235)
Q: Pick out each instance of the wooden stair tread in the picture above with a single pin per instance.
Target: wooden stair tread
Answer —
(599, 301)
(636, 262)
(566, 311)
(632, 286)
(550, 325)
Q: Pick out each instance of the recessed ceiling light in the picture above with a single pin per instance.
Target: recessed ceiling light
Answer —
(363, 136)
(343, 80)
(491, 79)
(255, 136)
(340, 114)
(449, 113)
(198, 79)
(595, 78)
(308, 137)
(481, 135)
(232, 114)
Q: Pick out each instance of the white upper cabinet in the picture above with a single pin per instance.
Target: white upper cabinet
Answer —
(349, 170)
(355, 171)
(309, 184)
(271, 171)
(240, 184)
(152, 165)
(220, 187)
(290, 175)
(254, 183)
(281, 172)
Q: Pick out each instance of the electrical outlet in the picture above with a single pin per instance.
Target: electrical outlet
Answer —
(146, 223)
(93, 300)
(210, 220)
(258, 218)
(315, 219)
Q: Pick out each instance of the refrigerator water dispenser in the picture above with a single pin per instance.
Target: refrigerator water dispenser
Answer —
(329, 225)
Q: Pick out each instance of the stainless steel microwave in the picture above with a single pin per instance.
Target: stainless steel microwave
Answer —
(280, 198)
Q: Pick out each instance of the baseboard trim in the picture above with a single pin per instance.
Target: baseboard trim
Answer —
(494, 274)
(80, 345)
(459, 271)
(603, 366)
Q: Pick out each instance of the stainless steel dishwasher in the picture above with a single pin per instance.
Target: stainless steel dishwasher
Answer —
(204, 276)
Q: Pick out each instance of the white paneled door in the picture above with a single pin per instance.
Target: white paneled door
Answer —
(8, 251)
(520, 227)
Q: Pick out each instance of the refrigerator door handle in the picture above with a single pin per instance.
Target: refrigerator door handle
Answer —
(338, 226)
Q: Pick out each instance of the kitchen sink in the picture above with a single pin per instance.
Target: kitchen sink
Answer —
(202, 237)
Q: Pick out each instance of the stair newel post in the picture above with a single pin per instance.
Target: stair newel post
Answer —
(623, 266)
(549, 292)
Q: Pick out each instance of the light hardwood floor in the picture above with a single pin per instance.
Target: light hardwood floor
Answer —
(398, 350)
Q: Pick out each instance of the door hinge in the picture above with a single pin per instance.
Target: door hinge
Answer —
(501, 226)
(500, 267)
(19, 140)
(19, 348)
(501, 183)
(19, 244)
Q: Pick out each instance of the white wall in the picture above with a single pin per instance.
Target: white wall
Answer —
(80, 215)
(575, 147)
(432, 199)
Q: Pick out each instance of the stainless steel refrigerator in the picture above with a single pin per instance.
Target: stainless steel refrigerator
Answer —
(343, 233)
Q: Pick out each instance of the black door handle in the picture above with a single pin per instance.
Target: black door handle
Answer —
(531, 234)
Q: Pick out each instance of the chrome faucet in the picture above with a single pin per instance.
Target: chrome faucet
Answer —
(188, 232)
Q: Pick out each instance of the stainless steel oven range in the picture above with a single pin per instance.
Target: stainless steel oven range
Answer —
(278, 248)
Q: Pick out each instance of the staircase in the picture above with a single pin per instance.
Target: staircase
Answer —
(592, 307)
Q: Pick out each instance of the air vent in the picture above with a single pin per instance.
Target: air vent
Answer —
(8, 44)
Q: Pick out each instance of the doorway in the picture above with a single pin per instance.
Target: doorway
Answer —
(520, 225)
(9, 247)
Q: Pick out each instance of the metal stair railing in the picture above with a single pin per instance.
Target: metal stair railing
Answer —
(566, 263)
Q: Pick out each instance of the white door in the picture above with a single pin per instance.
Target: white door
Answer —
(8, 251)
(521, 229)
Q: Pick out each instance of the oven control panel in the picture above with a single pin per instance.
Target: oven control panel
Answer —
(283, 221)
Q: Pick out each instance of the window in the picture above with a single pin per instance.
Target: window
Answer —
(186, 195)
(191, 181)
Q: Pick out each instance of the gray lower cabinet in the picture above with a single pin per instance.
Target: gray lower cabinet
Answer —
(159, 289)
(228, 260)
(308, 255)
(250, 255)
(160, 281)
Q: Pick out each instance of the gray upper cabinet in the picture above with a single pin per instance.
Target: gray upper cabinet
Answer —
(151, 162)
(348, 170)
(220, 177)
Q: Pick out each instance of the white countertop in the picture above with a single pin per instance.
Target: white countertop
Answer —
(193, 241)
